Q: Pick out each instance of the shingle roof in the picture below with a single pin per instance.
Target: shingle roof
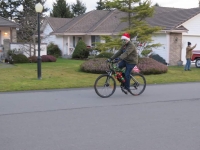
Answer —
(56, 23)
(172, 19)
(7, 23)
(104, 21)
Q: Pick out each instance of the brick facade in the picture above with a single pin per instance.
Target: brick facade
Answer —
(175, 48)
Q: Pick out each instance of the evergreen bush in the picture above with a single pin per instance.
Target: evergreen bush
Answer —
(81, 51)
(19, 58)
(53, 49)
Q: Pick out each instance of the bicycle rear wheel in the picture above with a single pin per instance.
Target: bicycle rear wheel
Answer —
(105, 85)
(137, 84)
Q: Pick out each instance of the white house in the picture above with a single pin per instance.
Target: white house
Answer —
(178, 27)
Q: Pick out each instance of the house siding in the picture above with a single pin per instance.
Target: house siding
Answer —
(163, 50)
(58, 40)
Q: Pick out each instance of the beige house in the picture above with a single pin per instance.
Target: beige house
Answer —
(178, 27)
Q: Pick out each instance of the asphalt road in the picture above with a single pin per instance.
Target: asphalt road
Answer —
(164, 117)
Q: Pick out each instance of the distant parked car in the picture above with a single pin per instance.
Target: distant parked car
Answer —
(196, 57)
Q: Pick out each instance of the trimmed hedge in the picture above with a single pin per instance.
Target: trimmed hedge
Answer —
(150, 66)
(146, 66)
(19, 58)
(45, 58)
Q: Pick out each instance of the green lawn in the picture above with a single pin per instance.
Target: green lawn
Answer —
(65, 74)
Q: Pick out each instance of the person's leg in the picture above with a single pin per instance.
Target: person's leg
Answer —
(189, 64)
(122, 64)
(129, 68)
(186, 65)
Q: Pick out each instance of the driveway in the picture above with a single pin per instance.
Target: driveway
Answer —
(164, 117)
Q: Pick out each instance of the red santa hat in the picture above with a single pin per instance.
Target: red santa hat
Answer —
(125, 36)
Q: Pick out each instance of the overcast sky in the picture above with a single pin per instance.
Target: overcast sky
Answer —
(91, 4)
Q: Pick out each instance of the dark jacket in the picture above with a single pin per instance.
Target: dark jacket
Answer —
(127, 53)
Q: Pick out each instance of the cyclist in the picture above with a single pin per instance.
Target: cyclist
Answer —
(128, 58)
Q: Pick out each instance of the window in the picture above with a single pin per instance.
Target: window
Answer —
(94, 39)
(74, 41)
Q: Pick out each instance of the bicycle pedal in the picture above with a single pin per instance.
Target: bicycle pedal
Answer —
(126, 92)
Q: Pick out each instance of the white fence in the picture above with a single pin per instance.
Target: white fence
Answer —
(28, 49)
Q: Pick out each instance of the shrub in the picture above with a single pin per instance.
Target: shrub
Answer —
(146, 66)
(19, 58)
(33, 59)
(81, 51)
(150, 66)
(104, 55)
(96, 65)
(48, 58)
(54, 50)
(158, 58)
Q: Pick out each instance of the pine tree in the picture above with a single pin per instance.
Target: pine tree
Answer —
(100, 5)
(78, 8)
(61, 9)
(137, 11)
(9, 8)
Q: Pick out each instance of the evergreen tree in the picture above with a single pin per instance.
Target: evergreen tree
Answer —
(61, 9)
(100, 5)
(9, 8)
(137, 11)
(157, 5)
(78, 8)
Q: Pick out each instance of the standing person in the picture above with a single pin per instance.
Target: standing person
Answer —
(189, 56)
(129, 58)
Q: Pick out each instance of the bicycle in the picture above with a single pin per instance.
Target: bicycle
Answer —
(106, 83)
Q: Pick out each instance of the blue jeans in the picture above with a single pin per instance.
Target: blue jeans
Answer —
(129, 68)
(188, 64)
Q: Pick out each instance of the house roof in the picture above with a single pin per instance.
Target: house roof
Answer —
(7, 23)
(172, 20)
(55, 23)
(109, 22)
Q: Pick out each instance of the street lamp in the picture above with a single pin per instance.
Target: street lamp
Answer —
(38, 9)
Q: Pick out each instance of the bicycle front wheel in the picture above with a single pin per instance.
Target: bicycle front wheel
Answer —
(105, 85)
(137, 84)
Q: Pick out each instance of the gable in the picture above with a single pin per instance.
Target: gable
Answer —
(193, 25)
(7, 23)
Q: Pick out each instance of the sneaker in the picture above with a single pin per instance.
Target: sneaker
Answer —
(124, 90)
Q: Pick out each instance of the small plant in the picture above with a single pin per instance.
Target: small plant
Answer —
(54, 50)
(81, 51)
